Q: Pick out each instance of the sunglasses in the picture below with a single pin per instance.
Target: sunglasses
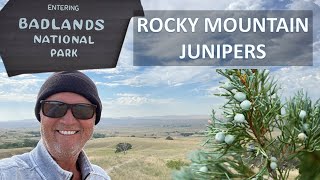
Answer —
(57, 109)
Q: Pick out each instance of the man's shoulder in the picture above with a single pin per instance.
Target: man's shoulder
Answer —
(100, 172)
(17, 161)
(14, 167)
(8, 163)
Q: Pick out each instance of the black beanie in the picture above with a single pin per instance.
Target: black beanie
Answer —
(69, 81)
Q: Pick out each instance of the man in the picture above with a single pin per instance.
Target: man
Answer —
(68, 107)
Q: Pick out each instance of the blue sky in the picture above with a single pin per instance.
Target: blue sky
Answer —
(157, 91)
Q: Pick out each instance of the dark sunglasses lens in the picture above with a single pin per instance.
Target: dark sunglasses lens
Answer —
(54, 109)
(83, 111)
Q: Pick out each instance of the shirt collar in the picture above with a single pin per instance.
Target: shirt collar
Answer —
(85, 165)
(49, 167)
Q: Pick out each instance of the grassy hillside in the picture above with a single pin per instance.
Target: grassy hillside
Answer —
(146, 160)
(4, 153)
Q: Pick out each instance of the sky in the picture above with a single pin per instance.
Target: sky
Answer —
(132, 91)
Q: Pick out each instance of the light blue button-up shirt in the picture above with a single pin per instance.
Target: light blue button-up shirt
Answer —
(38, 164)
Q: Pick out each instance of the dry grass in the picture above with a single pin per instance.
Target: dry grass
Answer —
(4, 153)
(146, 160)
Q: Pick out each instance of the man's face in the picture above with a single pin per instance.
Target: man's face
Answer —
(66, 136)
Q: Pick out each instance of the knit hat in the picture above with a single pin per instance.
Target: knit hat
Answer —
(69, 81)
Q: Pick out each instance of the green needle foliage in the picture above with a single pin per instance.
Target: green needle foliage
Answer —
(259, 137)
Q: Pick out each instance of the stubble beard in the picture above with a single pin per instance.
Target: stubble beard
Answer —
(57, 151)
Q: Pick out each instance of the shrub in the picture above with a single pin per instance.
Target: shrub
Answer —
(186, 134)
(24, 143)
(98, 135)
(123, 147)
(169, 138)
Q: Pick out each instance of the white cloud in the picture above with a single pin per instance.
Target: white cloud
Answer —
(184, 4)
(246, 5)
(170, 76)
(129, 99)
(21, 79)
(293, 79)
(214, 90)
(304, 5)
(142, 105)
(125, 65)
(17, 97)
(19, 88)
(104, 71)
(98, 83)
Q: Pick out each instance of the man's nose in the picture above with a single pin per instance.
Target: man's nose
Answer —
(68, 118)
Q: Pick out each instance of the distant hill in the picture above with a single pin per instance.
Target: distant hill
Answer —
(17, 124)
(160, 121)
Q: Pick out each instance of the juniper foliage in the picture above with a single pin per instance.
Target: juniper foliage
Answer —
(259, 137)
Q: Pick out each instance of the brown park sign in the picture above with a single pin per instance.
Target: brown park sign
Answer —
(52, 35)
